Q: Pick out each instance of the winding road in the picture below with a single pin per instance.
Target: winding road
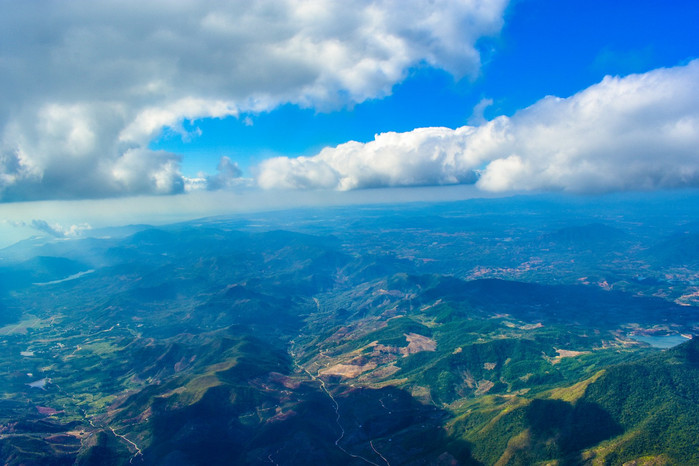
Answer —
(336, 407)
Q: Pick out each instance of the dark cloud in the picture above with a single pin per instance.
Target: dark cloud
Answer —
(55, 230)
(43, 226)
(228, 175)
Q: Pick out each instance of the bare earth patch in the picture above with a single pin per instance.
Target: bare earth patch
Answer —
(347, 370)
(484, 387)
(385, 371)
(383, 350)
(569, 354)
(688, 299)
(418, 343)
(79, 434)
(468, 378)
(566, 354)
(284, 380)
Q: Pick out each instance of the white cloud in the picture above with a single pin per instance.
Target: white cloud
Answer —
(636, 132)
(425, 156)
(86, 85)
(56, 229)
(478, 117)
(141, 170)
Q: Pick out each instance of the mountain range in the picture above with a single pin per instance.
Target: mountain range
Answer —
(489, 331)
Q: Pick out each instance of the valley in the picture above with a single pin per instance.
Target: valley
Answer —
(488, 331)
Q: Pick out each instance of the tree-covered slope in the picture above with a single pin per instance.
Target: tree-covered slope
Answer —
(646, 410)
(484, 332)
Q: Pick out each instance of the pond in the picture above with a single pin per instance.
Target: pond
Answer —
(660, 341)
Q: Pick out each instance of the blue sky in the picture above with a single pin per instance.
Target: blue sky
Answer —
(546, 47)
(123, 111)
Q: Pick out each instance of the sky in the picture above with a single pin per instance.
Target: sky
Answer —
(124, 111)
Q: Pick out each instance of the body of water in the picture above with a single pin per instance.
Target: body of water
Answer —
(660, 341)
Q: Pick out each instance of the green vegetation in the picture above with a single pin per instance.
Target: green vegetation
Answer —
(461, 333)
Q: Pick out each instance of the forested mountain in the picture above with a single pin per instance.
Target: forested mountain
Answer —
(477, 332)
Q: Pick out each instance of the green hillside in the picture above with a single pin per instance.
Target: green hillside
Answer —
(628, 412)
(465, 333)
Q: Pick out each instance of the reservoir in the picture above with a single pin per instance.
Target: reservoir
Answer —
(660, 341)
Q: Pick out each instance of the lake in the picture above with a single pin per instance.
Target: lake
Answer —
(660, 341)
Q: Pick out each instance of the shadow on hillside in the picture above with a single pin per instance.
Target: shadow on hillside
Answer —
(241, 425)
(563, 430)
(402, 429)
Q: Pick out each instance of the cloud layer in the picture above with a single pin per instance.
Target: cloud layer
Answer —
(636, 132)
(85, 85)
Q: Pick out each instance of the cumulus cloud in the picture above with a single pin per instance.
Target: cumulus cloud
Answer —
(424, 156)
(85, 85)
(228, 175)
(636, 132)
